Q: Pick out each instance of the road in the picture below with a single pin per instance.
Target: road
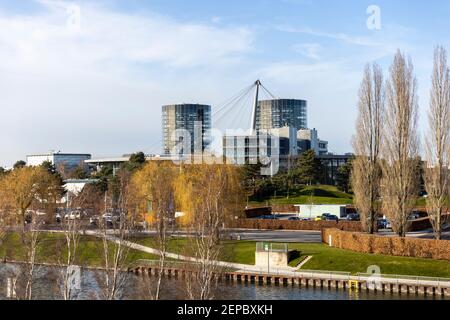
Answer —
(277, 235)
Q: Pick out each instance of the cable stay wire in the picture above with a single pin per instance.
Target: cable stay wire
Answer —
(233, 99)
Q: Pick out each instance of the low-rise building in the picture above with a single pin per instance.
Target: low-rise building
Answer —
(66, 161)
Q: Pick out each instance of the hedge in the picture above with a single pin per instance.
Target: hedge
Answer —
(386, 245)
(294, 225)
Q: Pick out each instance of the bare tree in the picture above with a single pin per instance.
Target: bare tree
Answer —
(437, 148)
(115, 231)
(400, 148)
(30, 239)
(209, 195)
(366, 170)
(68, 257)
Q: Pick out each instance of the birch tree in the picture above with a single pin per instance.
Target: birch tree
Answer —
(400, 147)
(437, 147)
(366, 171)
(114, 234)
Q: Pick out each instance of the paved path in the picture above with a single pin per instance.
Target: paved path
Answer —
(288, 271)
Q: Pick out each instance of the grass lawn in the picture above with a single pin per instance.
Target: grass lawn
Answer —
(326, 258)
(321, 194)
(52, 247)
(302, 195)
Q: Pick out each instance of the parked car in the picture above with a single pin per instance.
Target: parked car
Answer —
(383, 224)
(72, 215)
(294, 219)
(94, 220)
(58, 217)
(319, 218)
(414, 216)
(331, 217)
(353, 217)
(269, 217)
(325, 215)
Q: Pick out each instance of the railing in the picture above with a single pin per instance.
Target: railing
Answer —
(312, 274)
(397, 278)
(272, 247)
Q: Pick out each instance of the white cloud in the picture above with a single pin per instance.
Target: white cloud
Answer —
(40, 42)
(99, 88)
(309, 50)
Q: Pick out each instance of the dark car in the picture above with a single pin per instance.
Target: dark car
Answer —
(269, 217)
(331, 218)
(325, 215)
(382, 224)
(353, 217)
(294, 219)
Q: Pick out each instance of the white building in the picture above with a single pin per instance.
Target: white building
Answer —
(311, 211)
(69, 161)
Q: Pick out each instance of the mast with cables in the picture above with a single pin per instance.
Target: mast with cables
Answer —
(255, 105)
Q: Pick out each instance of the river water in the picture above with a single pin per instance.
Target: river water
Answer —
(46, 287)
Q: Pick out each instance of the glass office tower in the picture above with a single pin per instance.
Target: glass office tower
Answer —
(273, 114)
(184, 116)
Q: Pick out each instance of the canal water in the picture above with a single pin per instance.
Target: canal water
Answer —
(47, 286)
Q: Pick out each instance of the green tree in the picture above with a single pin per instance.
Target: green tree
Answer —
(308, 168)
(136, 162)
(78, 173)
(19, 164)
(343, 177)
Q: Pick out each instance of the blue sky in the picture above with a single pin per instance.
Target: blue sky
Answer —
(94, 79)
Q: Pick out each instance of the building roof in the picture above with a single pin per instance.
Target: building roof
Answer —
(59, 154)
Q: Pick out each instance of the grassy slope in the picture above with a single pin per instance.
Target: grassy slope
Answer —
(326, 258)
(322, 194)
(302, 195)
(51, 248)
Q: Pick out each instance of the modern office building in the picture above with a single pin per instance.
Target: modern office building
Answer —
(68, 161)
(186, 116)
(308, 139)
(279, 113)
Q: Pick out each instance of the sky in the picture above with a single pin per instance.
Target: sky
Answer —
(91, 76)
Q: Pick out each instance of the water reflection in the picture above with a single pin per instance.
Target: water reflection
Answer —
(47, 287)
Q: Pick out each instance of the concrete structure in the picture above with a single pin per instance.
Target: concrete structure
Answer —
(311, 211)
(278, 113)
(186, 117)
(271, 255)
(69, 161)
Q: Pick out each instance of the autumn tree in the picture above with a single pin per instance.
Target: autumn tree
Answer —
(437, 147)
(400, 144)
(25, 186)
(209, 196)
(366, 171)
(153, 187)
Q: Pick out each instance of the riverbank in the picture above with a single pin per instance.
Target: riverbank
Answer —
(51, 249)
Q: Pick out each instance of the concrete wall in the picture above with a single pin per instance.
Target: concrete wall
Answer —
(271, 258)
